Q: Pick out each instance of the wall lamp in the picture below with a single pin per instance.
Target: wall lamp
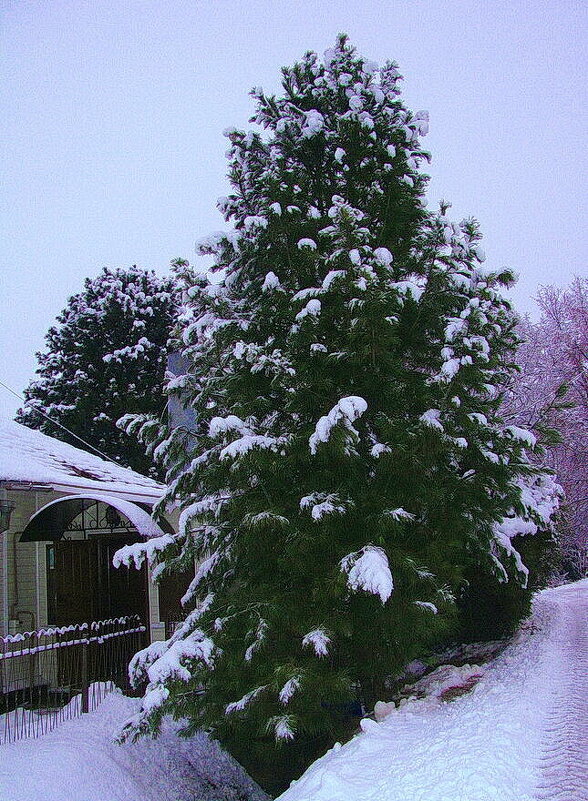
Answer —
(6, 508)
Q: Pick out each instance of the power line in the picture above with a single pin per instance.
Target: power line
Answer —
(56, 423)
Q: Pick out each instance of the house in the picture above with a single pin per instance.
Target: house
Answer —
(66, 512)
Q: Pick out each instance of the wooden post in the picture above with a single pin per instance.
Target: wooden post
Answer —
(85, 682)
(33, 643)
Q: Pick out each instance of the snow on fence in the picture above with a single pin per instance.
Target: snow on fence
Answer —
(55, 674)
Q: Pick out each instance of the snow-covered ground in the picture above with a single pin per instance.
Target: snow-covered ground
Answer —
(80, 762)
(520, 735)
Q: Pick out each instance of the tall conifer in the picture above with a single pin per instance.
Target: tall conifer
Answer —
(348, 464)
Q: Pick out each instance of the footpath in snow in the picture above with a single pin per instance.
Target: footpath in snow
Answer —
(80, 762)
(520, 735)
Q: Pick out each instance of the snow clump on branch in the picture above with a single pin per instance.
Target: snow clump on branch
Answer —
(368, 570)
(344, 413)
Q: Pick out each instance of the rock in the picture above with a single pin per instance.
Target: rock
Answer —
(382, 709)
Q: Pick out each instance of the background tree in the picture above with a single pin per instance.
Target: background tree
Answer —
(551, 391)
(105, 357)
(348, 471)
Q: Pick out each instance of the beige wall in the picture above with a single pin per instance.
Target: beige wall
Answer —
(24, 590)
(23, 583)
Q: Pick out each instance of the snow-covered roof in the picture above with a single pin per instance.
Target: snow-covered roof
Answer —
(30, 457)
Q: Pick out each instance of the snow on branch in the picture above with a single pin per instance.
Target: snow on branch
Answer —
(260, 635)
(503, 531)
(128, 352)
(271, 281)
(189, 624)
(379, 448)
(143, 659)
(319, 640)
(203, 570)
(210, 503)
(222, 425)
(314, 122)
(289, 689)
(398, 514)
(431, 419)
(323, 503)
(521, 435)
(249, 442)
(332, 277)
(312, 309)
(239, 706)
(282, 726)
(139, 551)
(163, 662)
(265, 520)
(426, 606)
(345, 412)
(368, 570)
(262, 361)
(540, 496)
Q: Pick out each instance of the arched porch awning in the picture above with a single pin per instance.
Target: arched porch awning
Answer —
(52, 520)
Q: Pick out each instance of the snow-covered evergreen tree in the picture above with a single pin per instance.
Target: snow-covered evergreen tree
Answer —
(349, 464)
(105, 357)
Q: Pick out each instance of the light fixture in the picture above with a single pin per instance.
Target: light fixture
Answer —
(6, 508)
(112, 517)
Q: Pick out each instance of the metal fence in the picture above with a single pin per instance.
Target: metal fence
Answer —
(55, 674)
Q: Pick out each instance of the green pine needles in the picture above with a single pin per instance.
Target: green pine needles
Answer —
(106, 356)
(348, 466)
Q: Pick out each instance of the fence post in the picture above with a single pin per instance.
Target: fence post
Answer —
(33, 642)
(85, 681)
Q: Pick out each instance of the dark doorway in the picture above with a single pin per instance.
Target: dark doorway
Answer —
(83, 585)
(171, 590)
(72, 569)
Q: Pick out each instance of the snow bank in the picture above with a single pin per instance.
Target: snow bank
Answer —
(487, 745)
(80, 762)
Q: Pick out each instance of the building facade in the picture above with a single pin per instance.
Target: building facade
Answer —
(69, 511)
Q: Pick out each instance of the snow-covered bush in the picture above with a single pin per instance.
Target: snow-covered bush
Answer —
(349, 464)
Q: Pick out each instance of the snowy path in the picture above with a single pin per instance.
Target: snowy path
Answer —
(78, 761)
(564, 763)
(521, 735)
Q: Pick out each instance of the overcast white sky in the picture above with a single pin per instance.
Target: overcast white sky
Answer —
(112, 115)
